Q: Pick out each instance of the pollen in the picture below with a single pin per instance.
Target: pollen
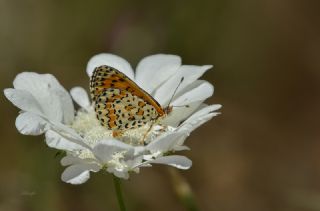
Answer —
(89, 128)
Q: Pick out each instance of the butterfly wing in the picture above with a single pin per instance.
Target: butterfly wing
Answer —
(120, 103)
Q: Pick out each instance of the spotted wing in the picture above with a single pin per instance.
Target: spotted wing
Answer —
(120, 103)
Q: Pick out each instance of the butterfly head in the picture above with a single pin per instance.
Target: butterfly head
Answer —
(169, 107)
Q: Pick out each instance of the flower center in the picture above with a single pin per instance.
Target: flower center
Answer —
(87, 125)
(117, 160)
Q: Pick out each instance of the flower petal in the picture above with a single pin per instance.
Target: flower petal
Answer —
(155, 69)
(105, 149)
(197, 91)
(189, 73)
(181, 148)
(192, 97)
(111, 60)
(178, 161)
(78, 173)
(23, 100)
(205, 110)
(65, 131)
(200, 117)
(70, 160)
(167, 142)
(80, 96)
(55, 140)
(139, 150)
(53, 99)
(122, 169)
(29, 123)
(179, 114)
(120, 174)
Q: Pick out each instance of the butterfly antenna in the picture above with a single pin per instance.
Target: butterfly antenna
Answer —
(175, 91)
(186, 106)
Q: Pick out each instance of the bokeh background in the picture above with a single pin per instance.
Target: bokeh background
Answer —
(262, 153)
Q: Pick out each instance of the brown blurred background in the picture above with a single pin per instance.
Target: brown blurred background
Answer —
(261, 154)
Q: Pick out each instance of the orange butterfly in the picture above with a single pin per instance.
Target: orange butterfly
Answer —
(120, 104)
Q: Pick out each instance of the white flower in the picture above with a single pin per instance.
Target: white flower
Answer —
(46, 107)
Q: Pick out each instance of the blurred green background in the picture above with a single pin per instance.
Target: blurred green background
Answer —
(262, 153)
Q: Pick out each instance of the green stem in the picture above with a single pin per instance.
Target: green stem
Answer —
(183, 190)
(117, 185)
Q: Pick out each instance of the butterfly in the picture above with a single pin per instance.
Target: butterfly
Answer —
(120, 104)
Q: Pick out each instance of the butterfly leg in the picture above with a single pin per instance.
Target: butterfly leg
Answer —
(146, 134)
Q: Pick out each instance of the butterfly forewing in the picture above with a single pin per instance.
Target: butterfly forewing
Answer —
(121, 104)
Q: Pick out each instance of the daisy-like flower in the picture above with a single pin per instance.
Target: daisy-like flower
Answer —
(47, 108)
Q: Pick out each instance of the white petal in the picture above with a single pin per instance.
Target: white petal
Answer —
(79, 173)
(65, 131)
(70, 160)
(167, 142)
(23, 100)
(179, 114)
(111, 60)
(134, 162)
(54, 100)
(106, 148)
(193, 96)
(200, 117)
(189, 73)
(204, 111)
(197, 91)
(55, 140)
(80, 96)
(29, 123)
(120, 174)
(178, 161)
(155, 69)
(181, 148)
(139, 150)
(202, 120)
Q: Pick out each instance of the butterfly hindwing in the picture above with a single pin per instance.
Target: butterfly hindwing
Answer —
(120, 104)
